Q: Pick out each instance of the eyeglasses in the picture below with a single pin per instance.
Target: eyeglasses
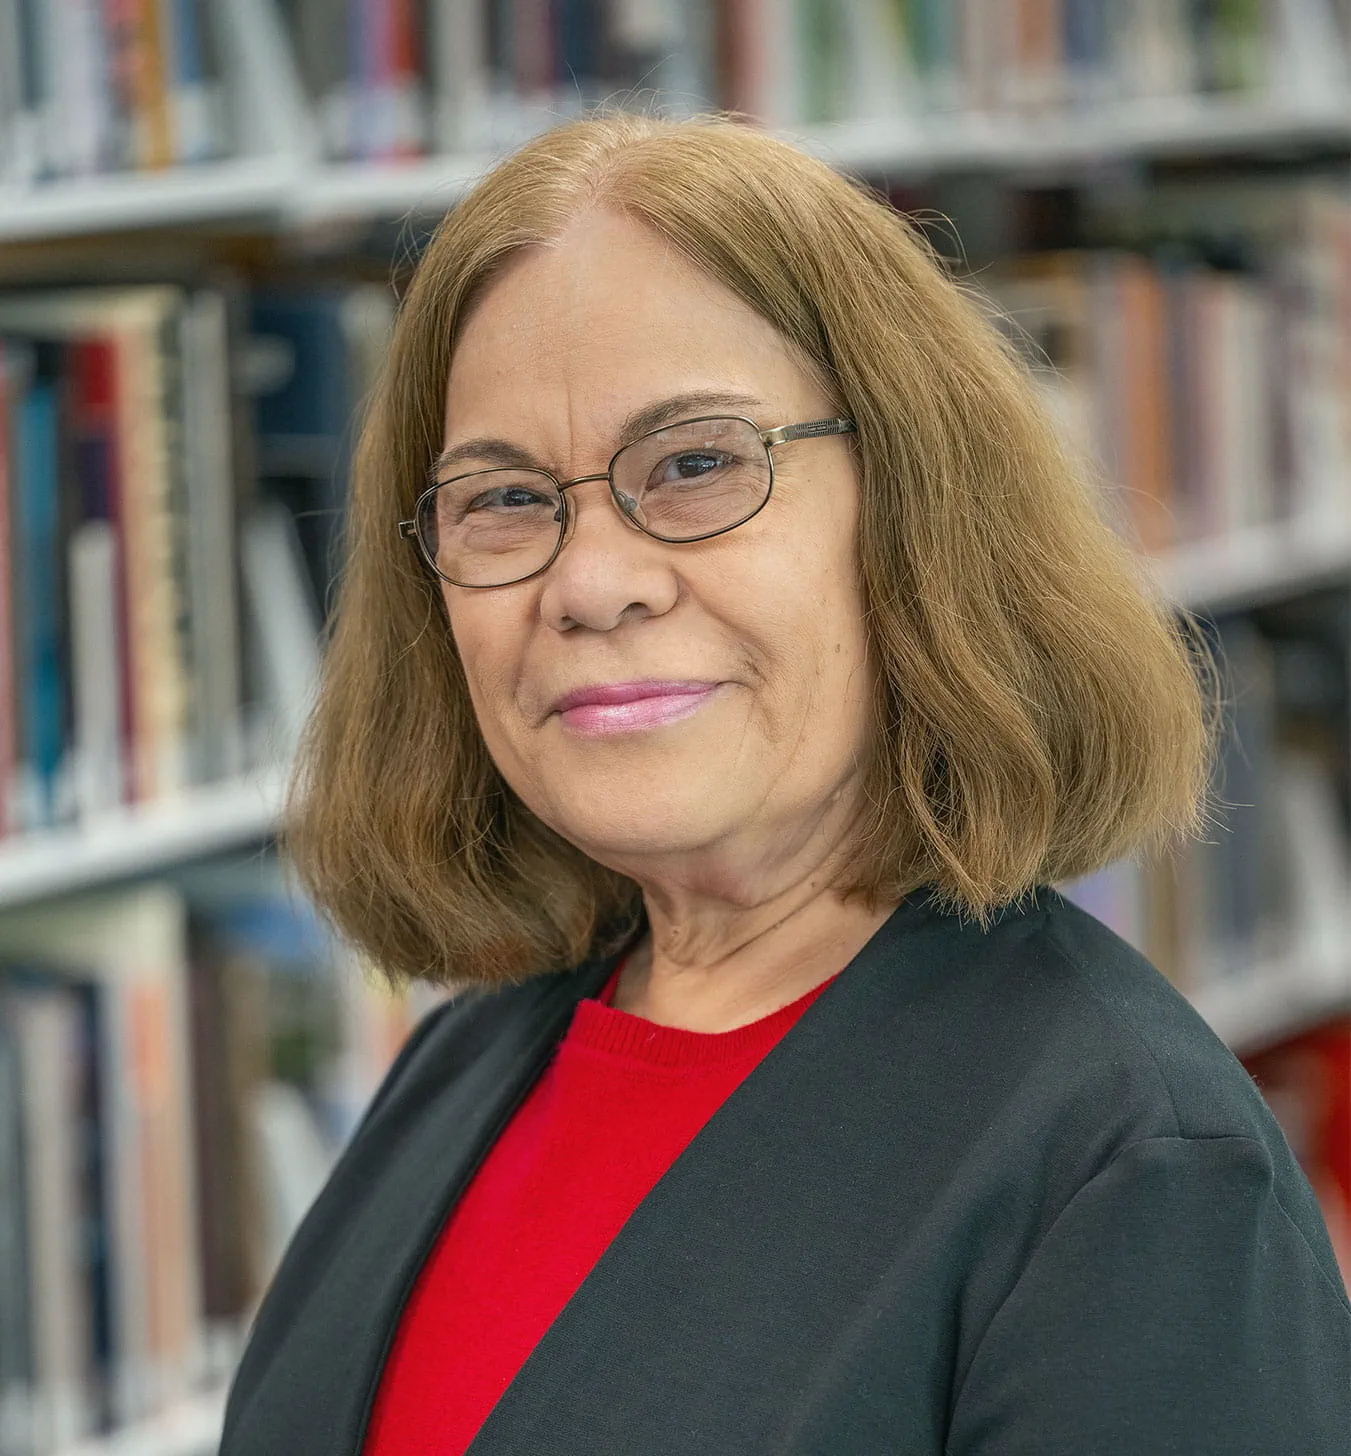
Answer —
(685, 482)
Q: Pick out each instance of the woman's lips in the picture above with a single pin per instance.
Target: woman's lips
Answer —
(627, 708)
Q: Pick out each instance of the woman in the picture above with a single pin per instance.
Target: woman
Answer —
(727, 664)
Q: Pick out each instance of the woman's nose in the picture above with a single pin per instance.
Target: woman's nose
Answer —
(607, 571)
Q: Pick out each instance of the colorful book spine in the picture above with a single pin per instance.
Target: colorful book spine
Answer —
(119, 562)
(9, 680)
(39, 575)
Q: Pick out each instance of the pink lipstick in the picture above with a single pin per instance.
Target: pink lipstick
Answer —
(630, 707)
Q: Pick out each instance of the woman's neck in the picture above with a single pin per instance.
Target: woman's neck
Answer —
(728, 966)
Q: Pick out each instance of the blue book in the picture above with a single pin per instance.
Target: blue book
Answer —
(1085, 34)
(304, 423)
(38, 579)
(190, 85)
(579, 34)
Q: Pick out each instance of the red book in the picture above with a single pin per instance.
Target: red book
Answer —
(93, 365)
(403, 52)
(1307, 1083)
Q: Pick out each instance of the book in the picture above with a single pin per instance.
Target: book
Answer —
(1209, 389)
(180, 1064)
(131, 948)
(120, 420)
(38, 577)
(16, 1340)
(98, 611)
(197, 114)
(1306, 1081)
(47, 1023)
(10, 384)
(457, 65)
(210, 535)
(134, 320)
(329, 342)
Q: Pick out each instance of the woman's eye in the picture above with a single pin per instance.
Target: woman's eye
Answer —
(689, 465)
(505, 498)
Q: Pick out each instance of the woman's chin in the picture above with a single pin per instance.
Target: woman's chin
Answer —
(648, 824)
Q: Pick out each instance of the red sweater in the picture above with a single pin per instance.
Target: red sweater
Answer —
(618, 1103)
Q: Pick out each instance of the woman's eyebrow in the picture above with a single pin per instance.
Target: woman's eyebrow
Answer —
(486, 449)
(491, 450)
(682, 406)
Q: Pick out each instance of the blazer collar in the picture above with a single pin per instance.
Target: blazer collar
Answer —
(308, 1382)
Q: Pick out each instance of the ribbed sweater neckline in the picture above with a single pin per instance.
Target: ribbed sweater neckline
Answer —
(598, 1026)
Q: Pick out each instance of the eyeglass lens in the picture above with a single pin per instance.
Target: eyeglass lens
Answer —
(690, 480)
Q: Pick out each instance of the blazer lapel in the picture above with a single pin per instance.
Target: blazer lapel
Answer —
(309, 1337)
(699, 1317)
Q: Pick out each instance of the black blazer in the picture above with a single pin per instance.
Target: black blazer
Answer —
(992, 1193)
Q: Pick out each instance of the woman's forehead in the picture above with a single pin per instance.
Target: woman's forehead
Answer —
(618, 290)
(611, 317)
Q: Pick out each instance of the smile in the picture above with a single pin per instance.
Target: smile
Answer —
(662, 703)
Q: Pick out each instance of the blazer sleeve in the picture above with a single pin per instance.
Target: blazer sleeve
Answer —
(1173, 1307)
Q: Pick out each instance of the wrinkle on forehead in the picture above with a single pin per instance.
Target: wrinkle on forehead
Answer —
(608, 318)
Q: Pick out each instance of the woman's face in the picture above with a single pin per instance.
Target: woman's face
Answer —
(764, 622)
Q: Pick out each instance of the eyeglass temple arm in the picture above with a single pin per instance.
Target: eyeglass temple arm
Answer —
(809, 431)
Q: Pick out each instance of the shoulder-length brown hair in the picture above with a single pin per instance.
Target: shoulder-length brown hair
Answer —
(1038, 713)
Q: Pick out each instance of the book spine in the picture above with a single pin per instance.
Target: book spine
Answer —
(402, 129)
(211, 546)
(146, 65)
(16, 1295)
(459, 72)
(181, 723)
(118, 25)
(190, 100)
(1307, 1082)
(98, 599)
(49, 1048)
(155, 675)
(1147, 434)
(39, 575)
(9, 745)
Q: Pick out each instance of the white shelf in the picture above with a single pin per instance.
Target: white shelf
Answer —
(1256, 565)
(126, 201)
(899, 146)
(190, 1428)
(133, 841)
(1271, 1002)
(286, 191)
(362, 191)
(1165, 126)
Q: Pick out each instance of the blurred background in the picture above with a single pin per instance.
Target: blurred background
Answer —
(208, 210)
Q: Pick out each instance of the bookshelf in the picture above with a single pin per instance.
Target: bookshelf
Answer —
(290, 188)
(1257, 565)
(283, 182)
(896, 148)
(1277, 999)
(190, 1428)
(215, 818)
(238, 191)
(1112, 134)
(121, 844)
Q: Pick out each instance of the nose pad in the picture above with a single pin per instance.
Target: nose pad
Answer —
(629, 507)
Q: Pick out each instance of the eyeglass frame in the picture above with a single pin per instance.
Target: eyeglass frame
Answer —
(779, 435)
